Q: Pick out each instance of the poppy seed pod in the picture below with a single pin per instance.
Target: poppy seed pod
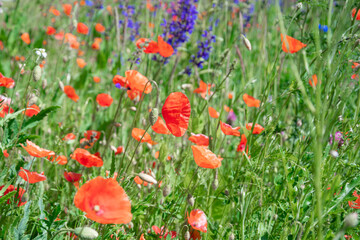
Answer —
(167, 190)
(246, 42)
(153, 116)
(86, 233)
(147, 178)
(187, 235)
(37, 73)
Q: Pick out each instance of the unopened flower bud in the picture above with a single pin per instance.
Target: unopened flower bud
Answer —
(167, 190)
(246, 42)
(37, 73)
(86, 233)
(153, 116)
(187, 235)
(147, 178)
(232, 236)
(191, 200)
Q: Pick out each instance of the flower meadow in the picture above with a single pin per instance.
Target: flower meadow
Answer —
(179, 119)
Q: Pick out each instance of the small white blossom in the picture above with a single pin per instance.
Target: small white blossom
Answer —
(41, 53)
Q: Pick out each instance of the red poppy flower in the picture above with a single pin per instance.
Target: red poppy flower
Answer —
(197, 220)
(92, 135)
(10, 189)
(160, 127)
(251, 101)
(84, 143)
(162, 232)
(104, 201)
(152, 46)
(70, 92)
(205, 158)
(165, 49)
(72, 177)
(355, 204)
(31, 177)
(26, 38)
(313, 80)
(194, 234)
(353, 12)
(61, 160)
(6, 82)
(228, 130)
(69, 137)
(176, 113)
(54, 11)
(86, 159)
(81, 62)
(35, 151)
(119, 150)
(99, 28)
(121, 80)
(67, 9)
(213, 113)
(291, 45)
(257, 129)
(4, 110)
(204, 89)
(199, 139)
(137, 133)
(242, 144)
(96, 79)
(50, 30)
(138, 82)
(133, 94)
(32, 110)
(104, 100)
(5, 153)
(82, 28)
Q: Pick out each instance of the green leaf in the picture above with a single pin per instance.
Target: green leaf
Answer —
(7, 196)
(32, 122)
(20, 230)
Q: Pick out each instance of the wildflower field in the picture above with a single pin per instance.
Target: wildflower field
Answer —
(179, 119)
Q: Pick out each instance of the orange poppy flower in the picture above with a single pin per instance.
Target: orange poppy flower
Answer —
(133, 94)
(54, 11)
(230, 96)
(104, 100)
(72, 177)
(138, 82)
(82, 28)
(353, 12)
(50, 30)
(160, 127)
(251, 101)
(176, 112)
(313, 80)
(19, 196)
(5, 153)
(86, 159)
(205, 158)
(293, 44)
(165, 49)
(32, 110)
(242, 144)
(99, 28)
(138, 181)
(95, 45)
(81, 62)
(213, 113)
(137, 133)
(31, 177)
(96, 79)
(67, 8)
(163, 232)
(36, 151)
(26, 38)
(355, 204)
(229, 130)
(204, 89)
(6, 82)
(121, 80)
(152, 46)
(104, 201)
(119, 150)
(70, 92)
(257, 129)
(197, 220)
(199, 139)
(61, 160)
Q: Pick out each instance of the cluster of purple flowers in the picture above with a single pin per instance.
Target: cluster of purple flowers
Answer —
(338, 138)
(129, 13)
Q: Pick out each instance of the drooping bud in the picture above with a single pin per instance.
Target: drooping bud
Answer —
(147, 178)
(246, 42)
(153, 116)
(86, 233)
(167, 190)
(37, 73)
(187, 235)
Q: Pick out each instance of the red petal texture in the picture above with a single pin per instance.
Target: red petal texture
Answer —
(176, 113)
(36, 151)
(160, 127)
(251, 101)
(138, 82)
(257, 129)
(293, 44)
(199, 139)
(104, 201)
(213, 113)
(72, 177)
(31, 177)
(165, 49)
(104, 100)
(10, 189)
(70, 92)
(151, 48)
(205, 158)
(228, 130)
(86, 159)
(197, 220)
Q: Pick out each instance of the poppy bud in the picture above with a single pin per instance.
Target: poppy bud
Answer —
(37, 73)
(187, 235)
(167, 190)
(133, 109)
(86, 233)
(232, 236)
(246, 42)
(351, 220)
(215, 184)
(147, 178)
(334, 153)
(61, 85)
(191, 200)
(153, 116)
